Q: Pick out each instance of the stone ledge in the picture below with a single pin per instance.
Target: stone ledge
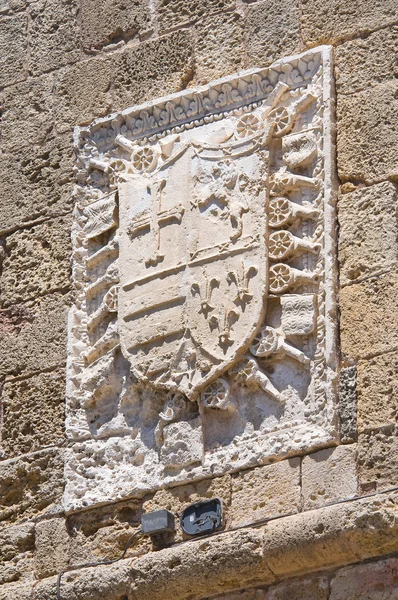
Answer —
(329, 537)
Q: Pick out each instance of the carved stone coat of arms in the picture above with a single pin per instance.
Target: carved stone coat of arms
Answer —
(202, 338)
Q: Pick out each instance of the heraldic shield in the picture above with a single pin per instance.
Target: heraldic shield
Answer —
(193, 260)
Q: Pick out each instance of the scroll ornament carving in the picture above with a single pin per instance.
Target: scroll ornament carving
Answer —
(201, 339)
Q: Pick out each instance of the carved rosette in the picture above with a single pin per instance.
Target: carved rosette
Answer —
(203, 257)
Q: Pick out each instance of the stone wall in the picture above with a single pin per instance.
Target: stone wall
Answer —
(64, 63)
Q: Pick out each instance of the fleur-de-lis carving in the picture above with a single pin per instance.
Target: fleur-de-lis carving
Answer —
(227, 317)
(205, 292)
(241, 279)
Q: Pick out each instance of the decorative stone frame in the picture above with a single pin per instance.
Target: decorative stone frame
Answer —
(106, 460)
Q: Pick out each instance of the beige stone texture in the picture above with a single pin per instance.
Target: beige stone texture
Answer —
(37, 261)
(219, 50)
(265, 492)
(13, 46)
(365, 62)
(30, 485)
(82, 92)
(53, 34)
(36, 181)
(173, 13)
(16, 552)
(368, 317)
(367, 135)
(33, 413)
(7, 7)
(154, 68)
(327, 22)
(51, 547)
(378, 459)
(33, 335)
(272, 31)
(377, 389)
(372, 581)
(22, 591)
(310, 588)
(368, 231)
(108, 22)
(329, 476)
(27, 113)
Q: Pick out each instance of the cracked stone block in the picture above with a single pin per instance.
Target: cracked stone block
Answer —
(329, 476)
(36, 262)
(172, 13)
(368, 231)
(108, 22)
(33, 413)
(365, 309)
(365, 62)
(367, 136)
(378, 459)
(13, 49)
(33, 335)
(157, 67)
(272, 30)
(265, 492)
(324, 23)
(377, 385)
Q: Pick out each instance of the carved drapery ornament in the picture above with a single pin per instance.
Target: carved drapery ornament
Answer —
(202, 336)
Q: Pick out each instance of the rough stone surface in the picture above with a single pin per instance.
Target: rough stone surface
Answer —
(368, 231)
(363, 331)
(16, 553)
(328, 22)
(13, 46)
(377, 384)
(328, 476)
(172, 13)
(309, 588)
(272, 31)
(348, 404)
(51, 547)
(36, 183)
(37, 261)
(30, 485)
(363, 63)
(54, 34)
(82, 92)
(155, 68)
(373, 581)
(33, 335)
(378, 459)
(32, 413)
(367, 135)
(265, 492)
(109, 22)
(218, 51)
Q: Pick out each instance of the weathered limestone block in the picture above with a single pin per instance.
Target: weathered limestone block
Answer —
(109, 22)
(348, 404)
(378, 459)
(363, 63)
(218, 50)
(328, 476)
(368, 231)
(373, 581)
(33, 413)
(16, 553)
(309, 588)
(36, 181)
(367, 135)
(369, 319)
(154, 68)
(53, 35)
(33, 335)
(82, 92)
(272, 31)
(13, 47)
(377, 385)
(27, 113)
(37, 261)
(265, 492)
(30, 485)
(172, 13)
(327, 22)
(7, 7)
(22, 591)
(51, 547)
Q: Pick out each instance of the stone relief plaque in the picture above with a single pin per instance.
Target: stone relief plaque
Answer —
(202, 338)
